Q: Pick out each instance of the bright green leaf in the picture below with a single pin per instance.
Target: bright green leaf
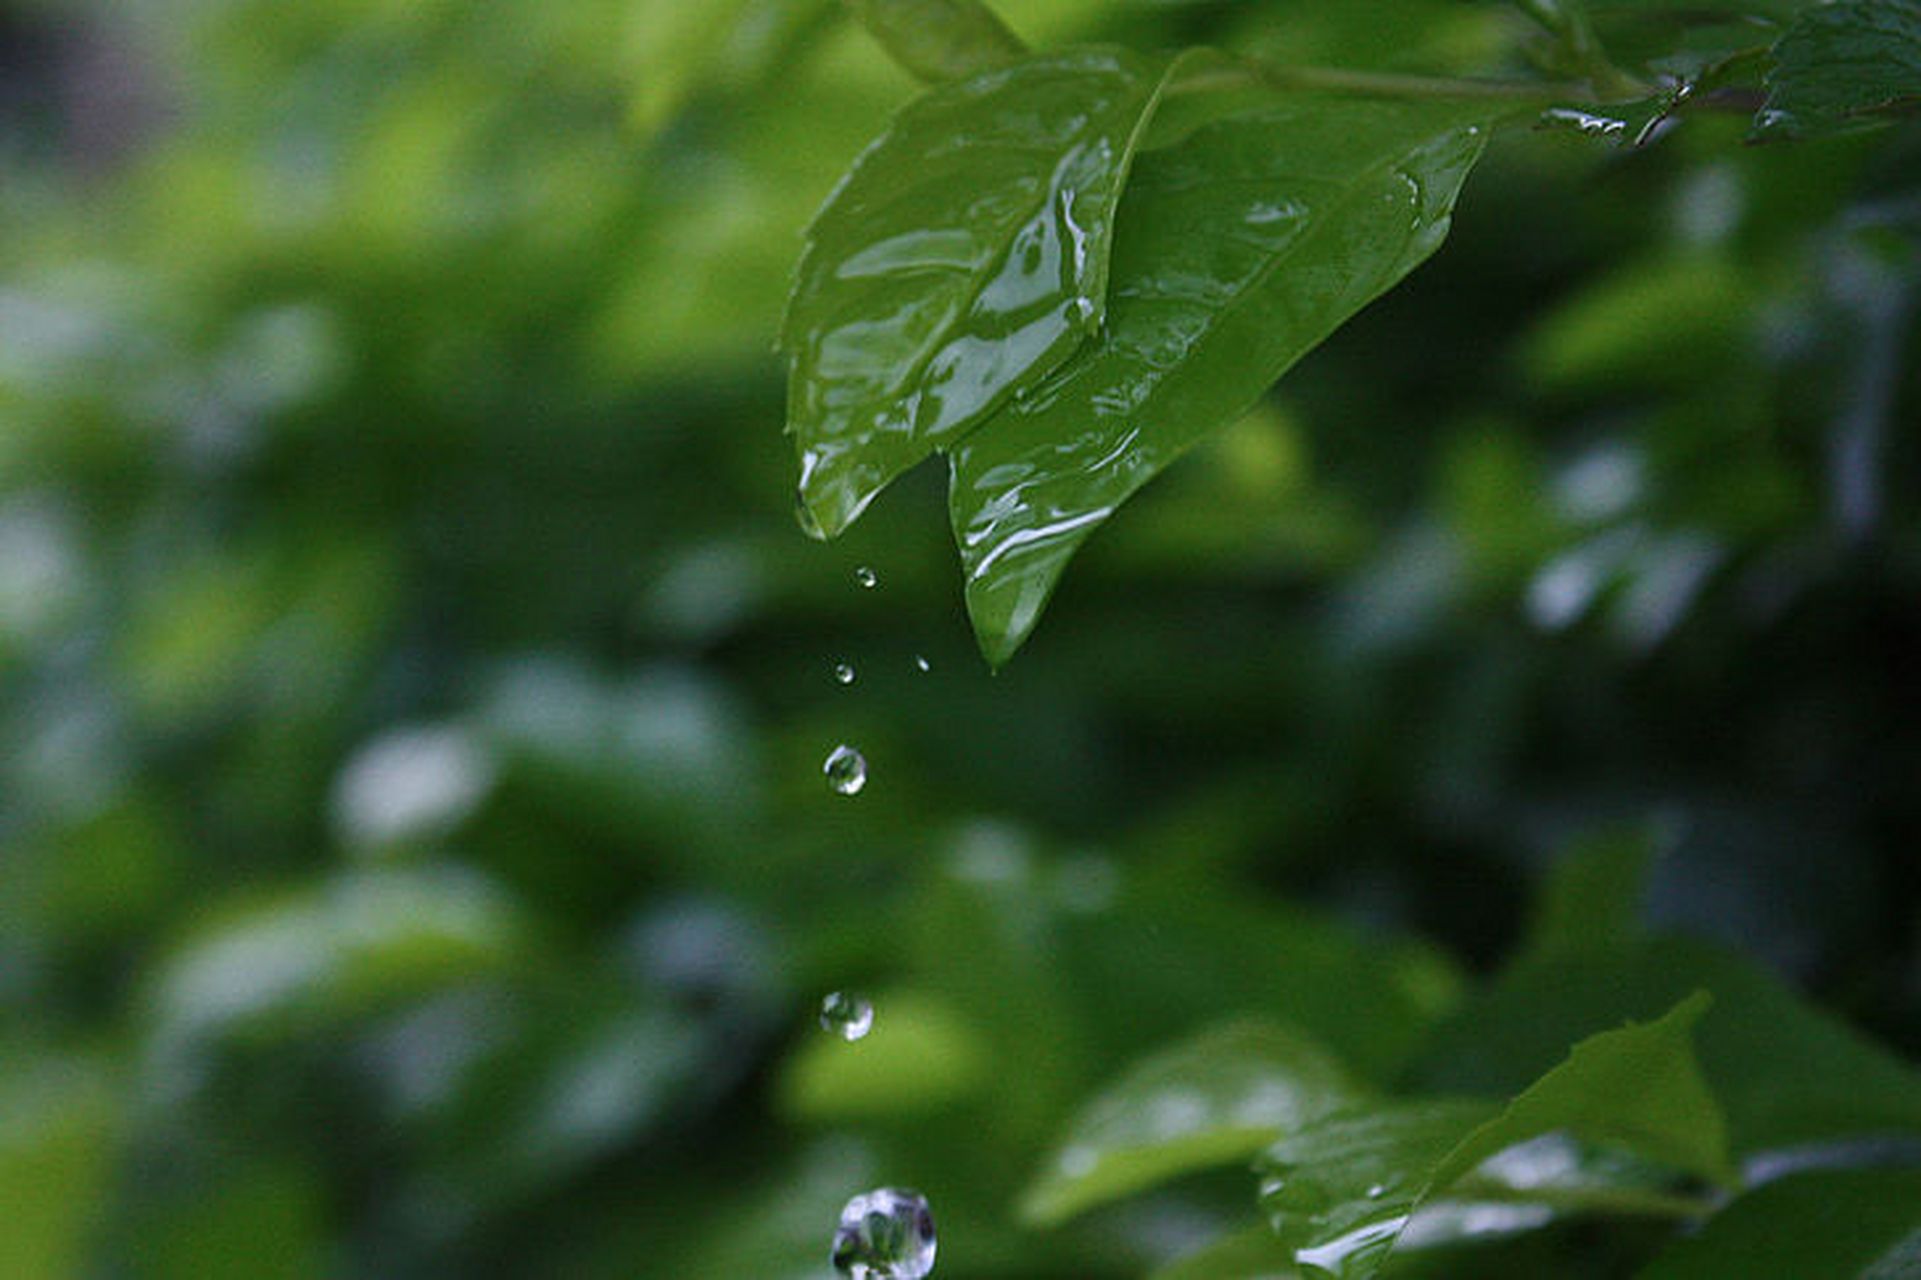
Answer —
(1212, 1100)
(963, 257)
(1638, 1087)
(1240, 248)
(1343, 1191)
(1843, 65)
(1785, 1073)
(1852, 1224)
(940, 39)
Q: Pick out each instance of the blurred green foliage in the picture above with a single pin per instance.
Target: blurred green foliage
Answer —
(413, 686)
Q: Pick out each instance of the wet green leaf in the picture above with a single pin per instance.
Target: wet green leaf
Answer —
(1784, 1072)
(1240, 247)
(1844, 65)
(940, 39)
(1212, 1100)
(1343, 1191)
(1851, 1224)
(962, 258)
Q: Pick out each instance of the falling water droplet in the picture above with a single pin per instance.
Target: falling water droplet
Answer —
(922, 664)
(804, 516)
(847, 1016)
(887, 1234)
(843, 673)
(846, 770)
(865, 576)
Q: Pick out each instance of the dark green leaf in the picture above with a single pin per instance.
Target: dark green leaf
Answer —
(1240, 248)
(1592, 897)
(1844, 65)
(1852, 1224)
(1784, 1072)
(940, 39)
(1342, 1192)
(1217, 1098)
(962, 258)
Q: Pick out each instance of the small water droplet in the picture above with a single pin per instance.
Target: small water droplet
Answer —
(846, 770)
(922, 664)
(1376, 1191)
(847, 1016)
(843, 673)
(865, 576)
(804, 517)
(886, 1234)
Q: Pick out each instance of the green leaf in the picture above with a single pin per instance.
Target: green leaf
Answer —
(1338, 1193)
(1784, 1072)
(940, 39)
(1844, 65)
(1343, 1191)
(1591, 899)
(1212, 1100)
(1240, 247)
(1639, 1087)
(1852, 1224)
(961, 259)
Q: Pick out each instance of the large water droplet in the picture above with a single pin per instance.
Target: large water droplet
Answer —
(843, 673)
(865, 576)
(846, 770)
(887, 1234)
(847, 1016)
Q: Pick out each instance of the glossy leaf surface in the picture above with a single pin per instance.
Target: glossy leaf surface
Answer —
(1247, 1255)
(1852, 1224)
(963, 257)
(1239, 248)
(1342, 1192)
(1217, 1098)
(1843, 65)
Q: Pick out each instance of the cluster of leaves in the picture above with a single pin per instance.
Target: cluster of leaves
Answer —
(413, 690)
(1063, 270)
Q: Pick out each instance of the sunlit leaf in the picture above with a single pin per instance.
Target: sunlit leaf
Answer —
(1844, 65)
(1212, 1100)
(963, 257)
(1240, 248)
(1849, 1224)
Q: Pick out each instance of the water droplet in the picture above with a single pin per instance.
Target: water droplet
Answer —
(843, 673)
(922, 664)
(847, 1016)
(846, 770)
(1376, 1191)
(887, 1234)
(865, 576)
(804, 517)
